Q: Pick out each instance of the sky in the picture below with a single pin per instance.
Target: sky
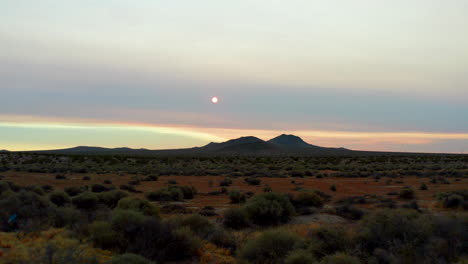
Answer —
(363, 74)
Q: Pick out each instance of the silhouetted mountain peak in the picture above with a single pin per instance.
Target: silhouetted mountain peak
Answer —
(233, 142)
(289, 141)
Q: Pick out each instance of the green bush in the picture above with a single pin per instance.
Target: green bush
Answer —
(184, 245)
(453, 199)
(129, 259)
(99, 188)
(305, 198)
(396, 229)
(222, 238)
(86, 201)
(327, 240)
(199, 225)
(423, 187)
(253, 181)
(102, 235)
(59, 198)
(36, 189)
(187, 191)
(126, 223)
(225, 182)
(68, 217)
(4, 186)
(74, 190)
(270, 247)
(111, 198)
(235, 218)
(128, 188)
(151, 178)
(269, 209)
(33, 211)
(172, 193)
(406, 193)
(300, 256)
(349, 212)
(237, 197)
(138, 205)
(47, 188)
(340, 258)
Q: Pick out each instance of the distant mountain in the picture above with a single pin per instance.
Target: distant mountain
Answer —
(281, 145)
(242, 141)
(290, 141)
(4, 150)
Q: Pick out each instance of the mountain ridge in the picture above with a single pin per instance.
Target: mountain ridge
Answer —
(283, 144)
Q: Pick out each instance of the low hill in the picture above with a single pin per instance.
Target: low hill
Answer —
(279, 146)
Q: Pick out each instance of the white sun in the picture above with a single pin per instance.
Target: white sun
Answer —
(214, 100)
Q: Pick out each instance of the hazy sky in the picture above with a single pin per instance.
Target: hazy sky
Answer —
(363, 74)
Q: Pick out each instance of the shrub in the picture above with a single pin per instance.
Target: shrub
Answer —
(199, 225)
(111, 198)
(269, 209)
(172, 182)
(60, 177)
(208, 211)
(235, 218)
(340, 258)
(102, 235)
(423, 187)
(184, 244)
(86, 201)
(74, 190)
(59, 198)
(36, 189)
(4, 186)
(107, 182)
(225, 182)
(161, 241)
(396, 229)
(307, 199)
(349, 212)
(188, 191)
(253, 181)
(33, 212)
(166, 194)
(267, 189)
(67, 217)
(127, 223)
(327, 240)
(99, 188)
(222, 238)
(406, 193)
(270, 247)
(237, 197)
(300, 257)
(129, 188)
(333, 188)
(174, 209)
(86, 178)
(129, 259)
(138, 205)
(453, 201)
(47, 188)
(151, 178)
(134, 181)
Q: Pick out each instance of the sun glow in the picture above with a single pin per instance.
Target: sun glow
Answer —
(214, 100)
